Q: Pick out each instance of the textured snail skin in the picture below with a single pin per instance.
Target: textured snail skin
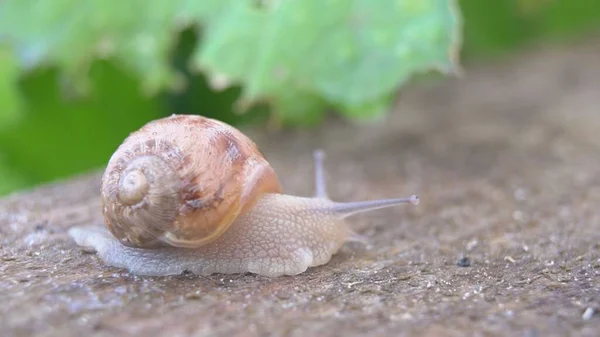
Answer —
(281, 235)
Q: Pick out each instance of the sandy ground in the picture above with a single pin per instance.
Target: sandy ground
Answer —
(505, 242)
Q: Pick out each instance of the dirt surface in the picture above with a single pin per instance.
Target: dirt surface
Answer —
(505, 242)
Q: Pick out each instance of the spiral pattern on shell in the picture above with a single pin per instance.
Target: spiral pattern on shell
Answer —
(182, 181)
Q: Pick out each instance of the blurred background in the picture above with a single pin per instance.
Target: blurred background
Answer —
(76, 78)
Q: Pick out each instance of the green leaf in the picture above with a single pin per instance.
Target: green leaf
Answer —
(372, 111)
(350, 53)
(298, 55)
(297, 108)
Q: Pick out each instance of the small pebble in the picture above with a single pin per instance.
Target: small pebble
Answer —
(463, 262)
(588, 313)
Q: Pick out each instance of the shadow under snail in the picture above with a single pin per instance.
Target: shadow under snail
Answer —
(190, 193)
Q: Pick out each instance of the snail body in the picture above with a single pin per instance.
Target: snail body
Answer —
(189, 193)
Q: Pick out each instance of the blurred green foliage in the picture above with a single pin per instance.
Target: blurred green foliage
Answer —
(64, 112)
(493, 28)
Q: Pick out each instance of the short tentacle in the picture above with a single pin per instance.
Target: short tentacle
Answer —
(320, 185)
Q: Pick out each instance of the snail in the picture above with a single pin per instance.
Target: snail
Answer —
(186, 193)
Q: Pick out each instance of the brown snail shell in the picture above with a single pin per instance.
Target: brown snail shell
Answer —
(182, 181)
